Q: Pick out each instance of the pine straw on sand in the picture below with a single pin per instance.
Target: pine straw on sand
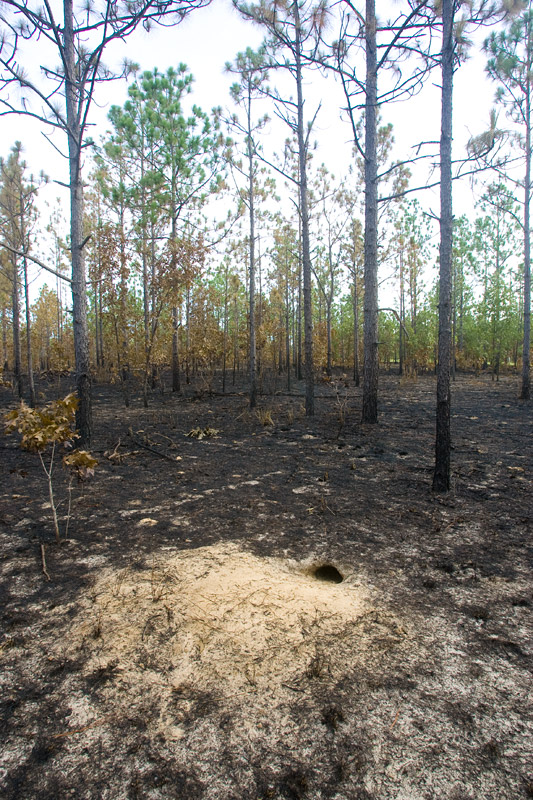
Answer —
(240, 629)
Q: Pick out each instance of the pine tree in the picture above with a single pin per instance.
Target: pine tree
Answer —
(510, 64)
(17, 218)
(294, 36)
(386, 46)
(250, 66)
(80, 40)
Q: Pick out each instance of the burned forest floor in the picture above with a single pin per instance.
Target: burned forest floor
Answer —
(266, 606)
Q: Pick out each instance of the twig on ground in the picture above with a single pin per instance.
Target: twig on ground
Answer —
(94, 724)
(395, 720)
(69, 507)
(43, 560)
(113, 455)
(173, 459)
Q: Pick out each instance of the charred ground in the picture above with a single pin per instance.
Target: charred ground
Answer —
(431, 699)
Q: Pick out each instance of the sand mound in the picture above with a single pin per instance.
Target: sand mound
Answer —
(226, 623)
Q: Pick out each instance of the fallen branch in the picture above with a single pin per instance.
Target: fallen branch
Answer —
(43, 560)
(113, 455)
(173, 459)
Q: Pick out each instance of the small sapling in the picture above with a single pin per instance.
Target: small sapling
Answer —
(43, 431)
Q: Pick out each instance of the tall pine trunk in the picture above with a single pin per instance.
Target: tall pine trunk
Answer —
(5, 362)
(441, 475)
(304, 219)
(123, 291)
(525, 392)
(79, 292)
(402, 317)
(31, 384)
(176, 379)
(356, 376)
(17, 355)
(251, 208)
(370, 361)
(299, 359)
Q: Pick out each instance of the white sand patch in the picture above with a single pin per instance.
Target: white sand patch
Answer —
(226, 623)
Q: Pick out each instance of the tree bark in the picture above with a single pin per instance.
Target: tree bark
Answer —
(17, 356)
(370, 361)
(356, 376)
(176, 381)
(525, 391)
(225, 346)
(5, 363)
(441, 475)
(251, 209)
(79, 293)
(31, 384)
(299, 359)
(402, 316)
(304, 218)
(124, 343)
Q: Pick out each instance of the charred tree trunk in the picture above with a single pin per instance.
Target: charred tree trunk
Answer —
(304, 217)
(17, 354)
(251, 209)
(371, 363)
(79, 293)
(402, 319)
(176, 381)
(124, 343)
(299, 371)
(31, 384)
(356, 375)
(525, 391)
(441, 475)
(5, 362)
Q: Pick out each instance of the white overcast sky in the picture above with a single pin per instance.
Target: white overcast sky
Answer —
(209, 38)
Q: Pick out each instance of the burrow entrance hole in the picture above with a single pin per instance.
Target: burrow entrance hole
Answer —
(327, 572)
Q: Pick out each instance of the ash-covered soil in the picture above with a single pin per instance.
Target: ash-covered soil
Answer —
(186, 647)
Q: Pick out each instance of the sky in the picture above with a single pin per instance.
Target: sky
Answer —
(209, 38)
